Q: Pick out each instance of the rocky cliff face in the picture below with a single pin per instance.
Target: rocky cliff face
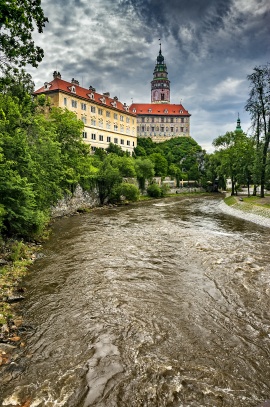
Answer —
(79, 200)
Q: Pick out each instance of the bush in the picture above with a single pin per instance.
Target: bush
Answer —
(129, 191)
(154, 191)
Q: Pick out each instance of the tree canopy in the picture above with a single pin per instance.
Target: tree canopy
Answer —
(18, 20)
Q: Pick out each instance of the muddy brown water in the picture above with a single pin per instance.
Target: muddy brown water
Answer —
(161, 304)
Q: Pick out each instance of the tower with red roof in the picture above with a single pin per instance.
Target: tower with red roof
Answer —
(160, 119)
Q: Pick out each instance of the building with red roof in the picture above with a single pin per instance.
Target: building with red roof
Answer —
(106, 120)
(160, 119)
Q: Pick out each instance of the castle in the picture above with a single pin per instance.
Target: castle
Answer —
(160, 120)
(107, 120)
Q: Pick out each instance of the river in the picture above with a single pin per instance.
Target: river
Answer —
(165, 303)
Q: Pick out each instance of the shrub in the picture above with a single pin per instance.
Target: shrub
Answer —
(154, 191)
(129, 191)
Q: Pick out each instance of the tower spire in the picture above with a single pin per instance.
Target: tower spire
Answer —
(238, 125)
(160, 85)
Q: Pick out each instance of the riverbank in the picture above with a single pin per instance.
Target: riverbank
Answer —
(253, 209)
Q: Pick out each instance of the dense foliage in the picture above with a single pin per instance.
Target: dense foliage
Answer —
(18, 20)
(245, 160)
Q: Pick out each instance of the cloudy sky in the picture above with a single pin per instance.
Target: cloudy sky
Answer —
(210, 46)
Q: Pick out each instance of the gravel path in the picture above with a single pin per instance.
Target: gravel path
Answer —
(252, 213)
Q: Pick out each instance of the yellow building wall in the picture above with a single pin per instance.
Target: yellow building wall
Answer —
(102, 123)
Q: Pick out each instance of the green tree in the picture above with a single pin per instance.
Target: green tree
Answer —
(235, 150)
(124, 164)
(115, 149)
(129, 191)
(258, 105)
(107, 179)
(18, 19)
(144, 171)
(160, 164)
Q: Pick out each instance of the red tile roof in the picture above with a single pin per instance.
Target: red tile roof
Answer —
(58, 84)
(158, 109)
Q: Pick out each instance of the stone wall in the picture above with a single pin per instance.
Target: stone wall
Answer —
(80, 199)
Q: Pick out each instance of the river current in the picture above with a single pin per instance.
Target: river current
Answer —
(165, 303)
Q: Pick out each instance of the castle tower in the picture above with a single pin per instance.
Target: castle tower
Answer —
(238, 126)
(160, 85)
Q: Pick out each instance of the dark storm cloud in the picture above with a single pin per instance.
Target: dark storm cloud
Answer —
(210, 46)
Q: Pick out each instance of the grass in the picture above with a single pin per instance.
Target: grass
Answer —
(18, 257)
(230, 200)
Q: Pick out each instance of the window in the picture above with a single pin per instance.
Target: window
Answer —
(100, 111)
(162, 129)
(108, 114)
(93, 122)
(122, 128)
(100, 138)
(83, 119)
(93, 109)
(127, 119)
(115, 115)
(74, 103)
(171, 119)
(122, 141)
(65, 101)
(133, 143)
(182, 129)
(162, 96)
(83, 106)
(108, 125)
(100, 123)
(128, 143)
(108, 139)
(121, 118)
(93, 136)
(152, 128)
(73, 89)
(115, 127)
(172, 129)
(162, 119)
(182, 120)
(93, 148)
(142, 119)
(84, 134)
(115, 140)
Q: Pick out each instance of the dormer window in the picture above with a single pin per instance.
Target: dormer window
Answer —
(113, 103)
(73, 89)
(166, 111)
(149, 110)
(103, 100)
(134, 110)
(90, 95)
(47, 86)
(181, 111)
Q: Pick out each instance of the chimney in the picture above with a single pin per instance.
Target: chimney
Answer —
(75, 81)
(92, 89)
(106, 94)
(56, 75)
(115, 98)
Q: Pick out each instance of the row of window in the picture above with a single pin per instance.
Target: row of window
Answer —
(108, 139)
(162, 119)
(94, 109)
(162, 129)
